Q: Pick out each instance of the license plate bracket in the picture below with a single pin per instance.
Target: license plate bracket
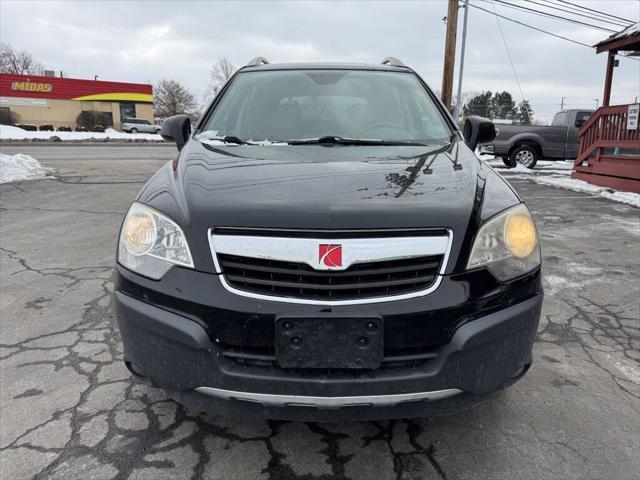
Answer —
(329, 342)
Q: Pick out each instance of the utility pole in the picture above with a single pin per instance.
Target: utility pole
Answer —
(562, 103)
(456, 111)
(449, 53)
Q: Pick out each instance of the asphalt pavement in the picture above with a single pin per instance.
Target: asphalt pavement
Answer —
(69, 409)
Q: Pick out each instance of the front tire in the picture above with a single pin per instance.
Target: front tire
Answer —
(525, 155)
(508, 162)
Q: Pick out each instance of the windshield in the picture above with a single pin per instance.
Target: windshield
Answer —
(281, 106)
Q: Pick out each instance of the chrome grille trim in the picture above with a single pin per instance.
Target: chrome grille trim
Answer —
(357, 249)
(275, 400)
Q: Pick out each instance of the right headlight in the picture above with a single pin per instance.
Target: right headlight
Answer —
(151, 243)
(507, 244)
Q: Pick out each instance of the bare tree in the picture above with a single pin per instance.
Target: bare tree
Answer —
(21, 63)
(221, 71)
(170, 98)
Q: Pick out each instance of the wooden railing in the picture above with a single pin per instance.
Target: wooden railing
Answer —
(609, 153)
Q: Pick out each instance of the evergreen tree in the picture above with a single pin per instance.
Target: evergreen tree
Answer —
(498, 105)
(524, 115)
(503, 106)
(479, 104)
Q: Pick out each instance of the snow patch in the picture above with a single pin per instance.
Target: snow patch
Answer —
(584, 270)
(15, 168)
(629, 370)
(8, 132)
(521, 169)
(556, 283)
(629, 226)
(558, 174)
(629, 198)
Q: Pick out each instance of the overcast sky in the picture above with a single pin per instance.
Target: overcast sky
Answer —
(146, 41)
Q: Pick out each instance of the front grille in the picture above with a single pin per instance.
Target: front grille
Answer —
(393, 358)
(298, 280)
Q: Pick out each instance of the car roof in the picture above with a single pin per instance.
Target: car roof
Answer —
(326, 66)
(569, 110)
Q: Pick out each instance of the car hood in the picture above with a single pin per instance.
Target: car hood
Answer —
(317, 187)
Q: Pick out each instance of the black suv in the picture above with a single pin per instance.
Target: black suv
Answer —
(327, 246)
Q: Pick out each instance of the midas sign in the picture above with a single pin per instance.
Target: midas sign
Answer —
(32, 87)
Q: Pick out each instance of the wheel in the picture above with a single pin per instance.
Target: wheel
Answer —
(133, 130)
(157, 131)
(525, 155)
(508, 163)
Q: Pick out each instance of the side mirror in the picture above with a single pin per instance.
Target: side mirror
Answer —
(477, 130)
(580, 122)
(176, 129)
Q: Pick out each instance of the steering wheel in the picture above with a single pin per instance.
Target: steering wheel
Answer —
(391, 125)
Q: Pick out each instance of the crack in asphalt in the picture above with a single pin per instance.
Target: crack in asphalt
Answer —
(67, 273)
(61, 210)
(405, 462)
(597, 327)
(80, 180)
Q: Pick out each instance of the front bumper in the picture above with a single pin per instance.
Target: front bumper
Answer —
(498, 148)
(490, 149)
(169, 350)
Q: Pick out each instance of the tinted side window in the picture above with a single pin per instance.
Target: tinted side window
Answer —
(581, 118)
(560, 119)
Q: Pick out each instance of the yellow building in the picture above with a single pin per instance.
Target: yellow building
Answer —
(38, 100)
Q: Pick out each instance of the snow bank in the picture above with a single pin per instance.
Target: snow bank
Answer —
(576, 185)
(558, 174)
(14, 168)
(14, 133)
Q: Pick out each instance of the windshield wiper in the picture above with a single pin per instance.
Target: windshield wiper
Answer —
(232, 139)
(332, 139)
(227, 139)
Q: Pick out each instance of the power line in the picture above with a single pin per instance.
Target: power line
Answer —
(551, 15)
(600, 16)
(550, 5)
(531, 26)
(541, 30)
(506, 47)
(595, 11)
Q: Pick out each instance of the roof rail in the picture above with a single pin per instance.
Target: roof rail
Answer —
(257, 62)
(393, 61)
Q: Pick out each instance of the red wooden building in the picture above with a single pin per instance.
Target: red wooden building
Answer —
(610, 140)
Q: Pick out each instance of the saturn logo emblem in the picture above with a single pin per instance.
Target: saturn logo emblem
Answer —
(330, 255)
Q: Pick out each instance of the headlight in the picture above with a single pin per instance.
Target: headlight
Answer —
(151, 243)
(507, 244)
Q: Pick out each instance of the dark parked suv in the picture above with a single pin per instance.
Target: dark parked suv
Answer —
(326, 246)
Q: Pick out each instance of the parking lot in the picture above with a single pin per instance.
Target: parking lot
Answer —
(70, 409)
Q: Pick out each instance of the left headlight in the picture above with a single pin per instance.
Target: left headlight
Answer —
(507, 244)
(151, 243)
